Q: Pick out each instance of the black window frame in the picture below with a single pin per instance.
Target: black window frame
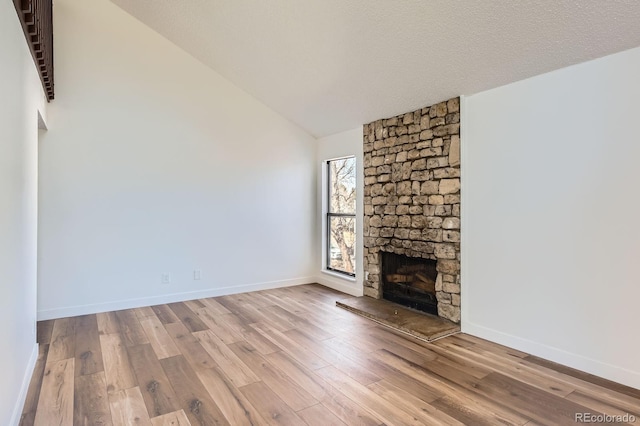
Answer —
(329, 214)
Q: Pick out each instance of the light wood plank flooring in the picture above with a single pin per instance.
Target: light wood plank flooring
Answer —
(291, 357)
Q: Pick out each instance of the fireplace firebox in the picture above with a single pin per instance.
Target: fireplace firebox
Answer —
(410, 281)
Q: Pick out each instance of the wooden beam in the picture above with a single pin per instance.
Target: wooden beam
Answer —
(36, 18)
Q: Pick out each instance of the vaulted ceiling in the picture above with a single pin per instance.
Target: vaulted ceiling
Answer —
(331, 65)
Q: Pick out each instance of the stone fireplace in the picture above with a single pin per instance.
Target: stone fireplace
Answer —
(412, 207)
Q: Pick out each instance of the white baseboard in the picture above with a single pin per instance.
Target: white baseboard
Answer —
(569, 359)
(22, 396)
(348, 287)
(72, 311)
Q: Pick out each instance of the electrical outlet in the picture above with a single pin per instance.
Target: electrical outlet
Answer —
(197, 274)
(165, 278)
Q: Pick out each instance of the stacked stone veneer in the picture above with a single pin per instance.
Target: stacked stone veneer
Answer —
(412, 196)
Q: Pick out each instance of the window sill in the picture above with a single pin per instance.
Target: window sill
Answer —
(339, 275)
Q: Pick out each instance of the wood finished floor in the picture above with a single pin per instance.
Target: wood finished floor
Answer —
(291, 357)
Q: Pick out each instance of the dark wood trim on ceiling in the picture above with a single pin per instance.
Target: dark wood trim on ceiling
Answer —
(36, 17)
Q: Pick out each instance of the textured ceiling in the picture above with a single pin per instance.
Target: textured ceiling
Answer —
(331, 65)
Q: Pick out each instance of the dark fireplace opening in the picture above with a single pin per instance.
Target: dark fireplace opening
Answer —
(410, 281)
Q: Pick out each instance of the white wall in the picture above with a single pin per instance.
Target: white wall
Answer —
(21, 97)
(550, 220)
(155, 164)
(344, 144)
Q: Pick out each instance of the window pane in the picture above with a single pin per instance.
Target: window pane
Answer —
(342, 185)
(342, 242)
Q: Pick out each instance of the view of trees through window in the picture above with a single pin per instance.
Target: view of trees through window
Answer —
(341, 215)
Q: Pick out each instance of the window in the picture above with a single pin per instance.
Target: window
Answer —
(341, 216)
